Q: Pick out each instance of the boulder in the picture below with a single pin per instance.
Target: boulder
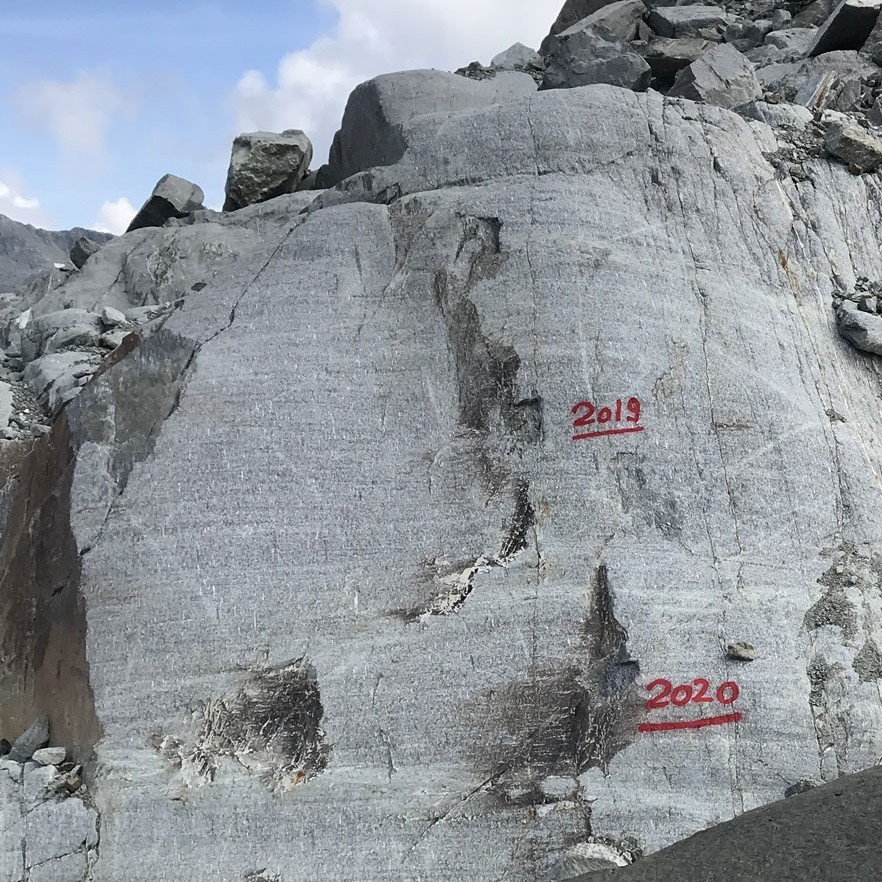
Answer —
(689, 21)
(54, 330)
(791, 40)
(585, 55)
(171, 197)
(32, 739)
(828, 834)
(571, 12)
(862, 329)
(371, 133)
(620, 18)
(856, 147)
(82, 250)
(517, 57)
(778, 115)
(848, 27)
(666, 57)
(264, 165)
(722, 76)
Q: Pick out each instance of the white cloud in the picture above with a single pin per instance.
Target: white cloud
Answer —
(76, 113)
(114, 217)
(378, 36)
(14, 204)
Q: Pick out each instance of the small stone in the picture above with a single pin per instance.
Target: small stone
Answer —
(740, 652)
(13, 768)
(73, 782)
(33, 738)
(50, 756)
(111, 317)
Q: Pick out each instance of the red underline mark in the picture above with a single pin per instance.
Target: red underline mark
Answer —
(690, 724)
(608, 432)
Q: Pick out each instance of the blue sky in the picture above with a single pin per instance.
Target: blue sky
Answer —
(101, 99)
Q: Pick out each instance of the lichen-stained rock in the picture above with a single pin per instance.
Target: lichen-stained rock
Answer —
(585, 55)
(264, 165)
(501, 443)
(721, 76)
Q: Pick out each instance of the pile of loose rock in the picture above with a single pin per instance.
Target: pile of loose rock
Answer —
(50, 830)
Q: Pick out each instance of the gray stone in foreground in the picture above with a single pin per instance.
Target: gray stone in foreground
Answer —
(848, 27)
(82, 250)
(33, 738)
(861, 329)
(688, 21)
(827, 834)
(171, 197)
(722, 76)
(264, 165)
(584, 55)
(854, 146)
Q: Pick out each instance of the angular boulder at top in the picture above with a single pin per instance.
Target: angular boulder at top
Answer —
(171, 197)
(688, 21)
(371, 132)
(264, 165)
(82, 250)
(825, 834)
(848, 27)
(621, 18)
(572, 11)
(722, 76)
(585, 55)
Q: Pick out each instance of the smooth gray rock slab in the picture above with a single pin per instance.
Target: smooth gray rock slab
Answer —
(264, 165)
(33, 738)
(619, 18)
(517, 57)
(667, 56)
(861, 329)
(171, 197)
(848, 27)
(854, 146)
(56, 829)
(49, 756)
(82, 250)
(722, 76)
(827, 834)
(584, 55)
(688, 21)
(371, 131)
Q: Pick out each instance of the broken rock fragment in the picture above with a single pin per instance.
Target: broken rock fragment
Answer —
(584, 55)
(264, 165)
(171, 197)
(848, 27)
(854, 146)
(862, 329)
(82, 250)
(741, 651)
(32, 739)
(722, 76)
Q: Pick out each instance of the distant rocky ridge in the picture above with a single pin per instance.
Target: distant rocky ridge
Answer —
(503, 493)
(27, 250)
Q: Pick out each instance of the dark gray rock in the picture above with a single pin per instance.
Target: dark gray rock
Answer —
(848, 27)
(872, 48)
(32, 739)
(861, 329)
(573, 11)
(854, 146)
(722, 76)
(171, 197)
(823, 834)
(689, 21)
(666, 57)
(620, 18)
(584, 55)
(82, 250)
(264, 165)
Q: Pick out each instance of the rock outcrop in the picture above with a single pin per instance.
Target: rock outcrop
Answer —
(172, 197)
(510, 506)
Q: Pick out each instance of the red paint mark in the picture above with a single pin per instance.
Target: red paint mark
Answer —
(590, 416)
(682, 695)
(608, 432)
(690, 724)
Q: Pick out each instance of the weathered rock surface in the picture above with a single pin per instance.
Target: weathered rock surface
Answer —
(620, 19)
(689, 20)
(585, 55)
(721, 76)
(265, 165)
(857, 148)
(171, 197)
